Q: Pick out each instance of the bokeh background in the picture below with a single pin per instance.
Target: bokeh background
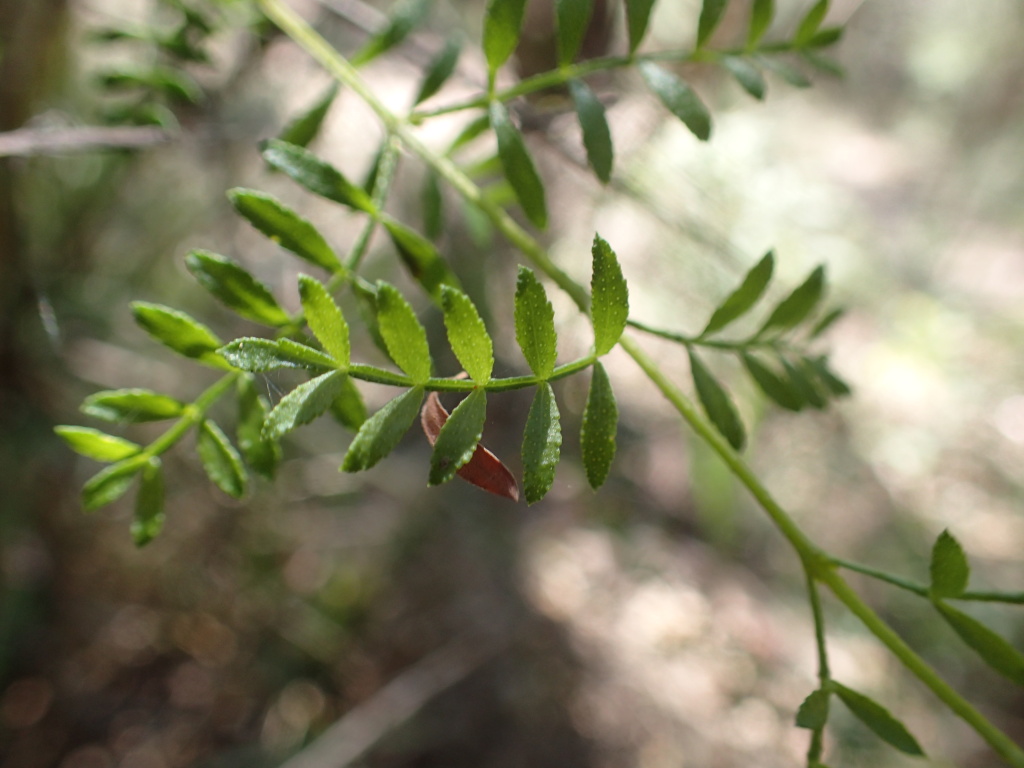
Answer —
(334, 620)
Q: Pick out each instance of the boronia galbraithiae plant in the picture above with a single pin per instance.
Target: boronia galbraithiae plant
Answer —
(780, 356)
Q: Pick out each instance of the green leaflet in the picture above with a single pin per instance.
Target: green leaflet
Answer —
(174, 83)
(381, 432)
(149, 504)
(324, 318)
(97, 445)
(949, 568)
(261, 455)
(609, 307)
(439, 70)
(432, 202)
(458, 438)
(257, 355)
(317, 176)
(821, 39)
(572, 17)
(221, 461)
(535, 324)
(783, 69)
(992, 648)
(503, 20)
(597, 138)
(285, 227)
(803, 382)
(878, 719)
(236, 288)
(421, 258)
(678, 98)
(777, 387)
(306, 125)
(303, 404)
(826, 322)
(519, 168)
(110, 483)
(348, 407)
(403, 334)
(180, 332)
(797, 305)
(761, 15)
(747, 75)
(813, 712)
(810, 23)
(739, 302)
(597, 436)
(468, 335)
(717, 403)
(710, 15)
(542, 443)
(131, 406)
(404, 16)
(638, 15)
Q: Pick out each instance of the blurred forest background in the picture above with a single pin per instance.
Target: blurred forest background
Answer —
(660, 622)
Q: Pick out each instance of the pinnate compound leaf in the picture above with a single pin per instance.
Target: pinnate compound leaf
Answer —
(542, 443)
(220, 459)
(811, 22)
(458, 438)
(761, 15)
(813, 712)
(180, 332)
(717, 403)
(260, 454)
(303, 404)
(306, 125)
(380, 433)
(284, 226)
(739, 302)
(503, 21)
(97, 445)
(421, 258)
(236, 288)
(324, 318)
(878, 719)
(572, 17)
(535, 324)
(949, 568)
(519, 168)
(609, 307)
(993, 649)
(439, 70)
(638, 16)
(314, 174)
(600, 420)
(149, 504)
(348, 407)
(468, 335)
(402, 332)
(110, 483)
(678, 98)
(747, 75)
(257, 355)
(797, 305)
(597, 137)
(131, 406)
(404, 17)
(777, 387)
(710, 15)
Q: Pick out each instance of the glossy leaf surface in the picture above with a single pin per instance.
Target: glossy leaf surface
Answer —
(303, 404)
(467, 335)
(402, 332)
(316, 175)
(717, 404)
(381, 432)
(678, 98)
(535, 324)
(597, 137)
(878, 719)
(600, 422)
(257, 355)
(97, 445)
(110, 483)
(459, 437)
(747, 75)
(220, 459)
(236, 288)
(180, 332)
(740, 301)
(131, 406)
(609, 308)
(542, 443)
(284, 226)
(306, 125)
(519, 168)
(325, 320)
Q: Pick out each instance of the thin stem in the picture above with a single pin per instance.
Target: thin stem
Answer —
(888, 578)
(817, 745)
(194, 413)
(377, 375)
(381, 187)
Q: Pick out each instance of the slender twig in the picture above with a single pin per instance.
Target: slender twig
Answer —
(824, 675)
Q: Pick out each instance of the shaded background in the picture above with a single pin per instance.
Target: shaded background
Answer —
(660, 622)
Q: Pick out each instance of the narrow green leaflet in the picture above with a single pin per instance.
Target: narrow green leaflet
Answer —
(535, 324)
(149, 504)
(739, 302)
(257, 355)
(572, 17)
(810, 23)
(236, 288)
(949, 568)
(797, 305)
(519, 168)
(800, 379)
(458, 438)
(813, 712)
(542, 443)
(786, 71)
(828, 378)
(131, 406)
(220, 459)
(609, 306)
(468, 335)
(638, 15)
(992, 648)
(503, 20)
(827, 321)
(710, 15)
(717, 403)
(97, 445)
(597, 137)
(597, 436)
(473, 130)
(348, 407)
(821, 39)
(439, 70)
(303, 404)
(747, 75)
(878, 719)
(421, 258)
(306, 125)
(284, 226)
(317, 176)
(403, 334)
(433, 205)
(261, 455)
(381, 432)
(761, 15)
(180, 332)
(404, 17)
(777, 387)
(324, 318)
(678, 98)
(110, 483)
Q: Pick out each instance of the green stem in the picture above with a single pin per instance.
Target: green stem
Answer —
(817, 745)
(194, 414)
(377, 375)
(888, 578)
